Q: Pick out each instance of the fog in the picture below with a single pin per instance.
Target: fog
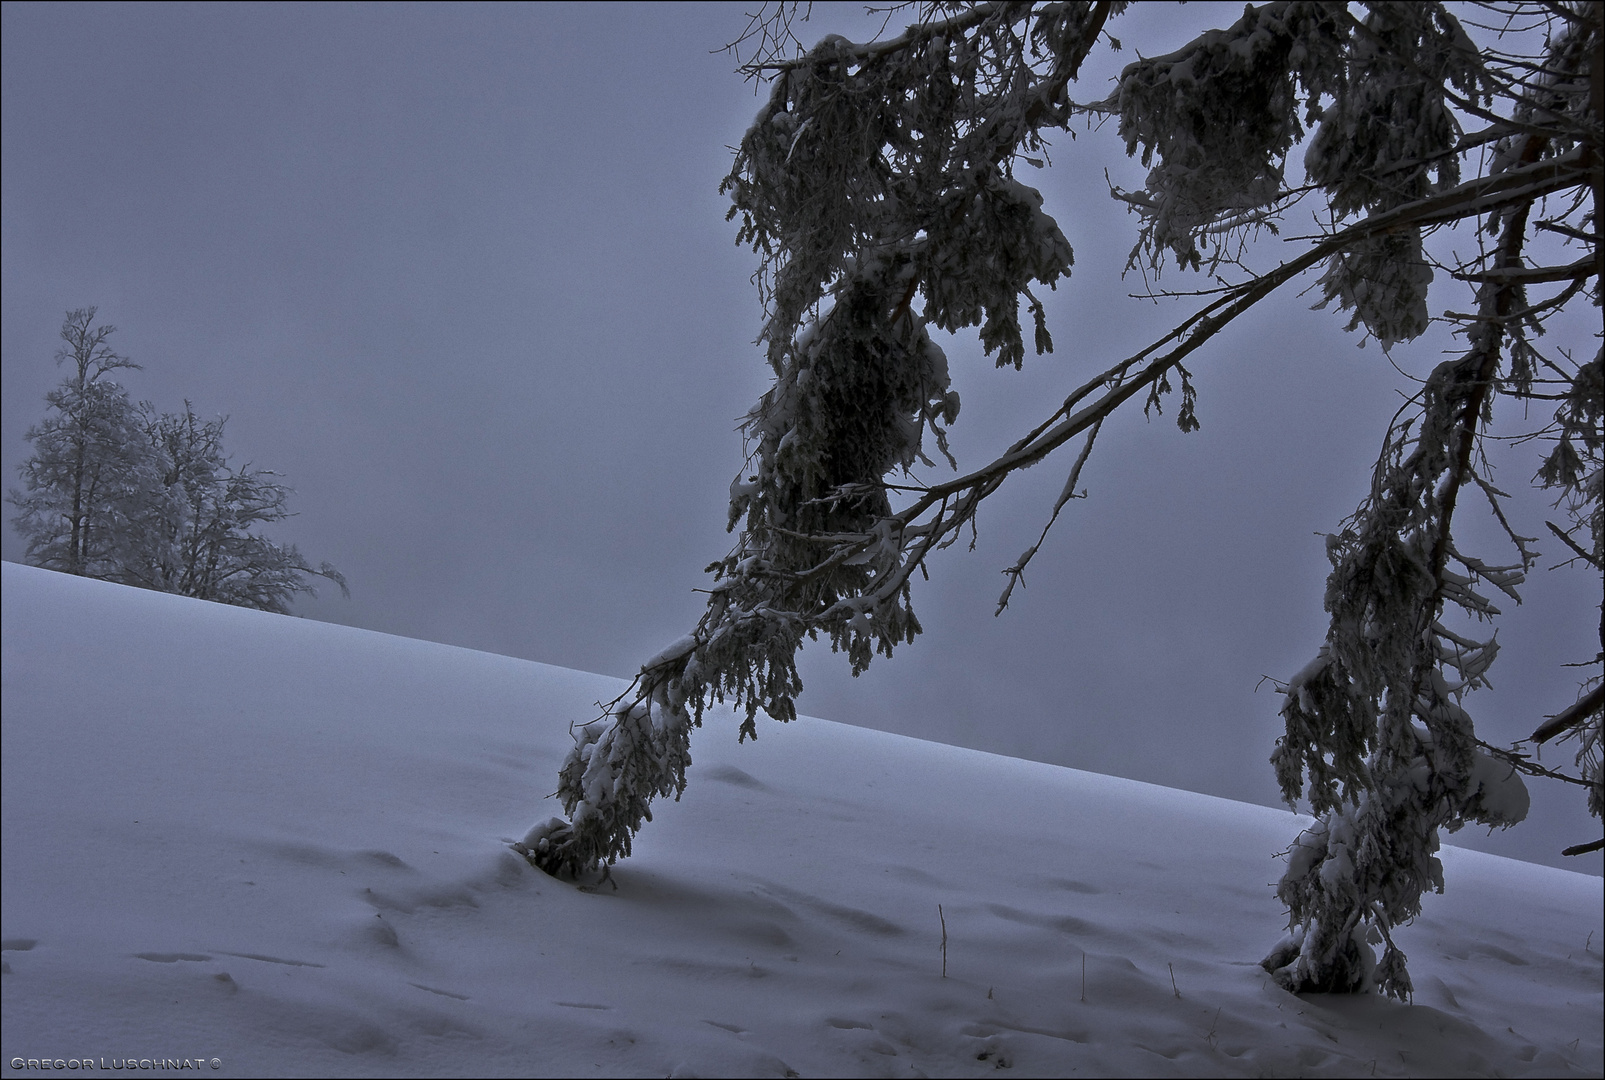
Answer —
(462, 274)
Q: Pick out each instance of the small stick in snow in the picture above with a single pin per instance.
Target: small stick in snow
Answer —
(939, 915)
(1172, 968)
(1083, 976)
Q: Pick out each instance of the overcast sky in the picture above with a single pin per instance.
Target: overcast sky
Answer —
(462, 274)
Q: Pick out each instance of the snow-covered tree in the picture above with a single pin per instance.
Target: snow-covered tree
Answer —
(878, 185)
(92, 471)
(126, 494)
(204, 542)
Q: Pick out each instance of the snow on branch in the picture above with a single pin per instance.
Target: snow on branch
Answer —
(876, 187)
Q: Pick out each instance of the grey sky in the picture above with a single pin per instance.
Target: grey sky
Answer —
(462, 274)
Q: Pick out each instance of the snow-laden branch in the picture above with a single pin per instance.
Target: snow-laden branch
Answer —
(876, 185)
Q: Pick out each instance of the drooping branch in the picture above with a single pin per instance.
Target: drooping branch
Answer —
(881, 174)
(1520, 186)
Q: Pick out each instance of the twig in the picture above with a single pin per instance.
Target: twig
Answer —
(1569, 542)
(943, 917)
(1524, 764)
(1172, 968)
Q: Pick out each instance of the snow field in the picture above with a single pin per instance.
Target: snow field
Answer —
(283, 844)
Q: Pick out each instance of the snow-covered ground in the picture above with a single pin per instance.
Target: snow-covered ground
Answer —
(282, 844)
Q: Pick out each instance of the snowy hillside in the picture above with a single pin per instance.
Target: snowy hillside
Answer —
(283, 844)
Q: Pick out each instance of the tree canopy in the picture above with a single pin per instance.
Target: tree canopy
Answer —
(878, 187)
(126, 494)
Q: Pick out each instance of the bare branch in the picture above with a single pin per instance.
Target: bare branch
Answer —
(1569, 542)
(1571, 717)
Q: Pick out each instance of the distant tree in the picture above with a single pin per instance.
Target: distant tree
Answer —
(92, 473)
(203, 541)
(142, 498)
(878, 185)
